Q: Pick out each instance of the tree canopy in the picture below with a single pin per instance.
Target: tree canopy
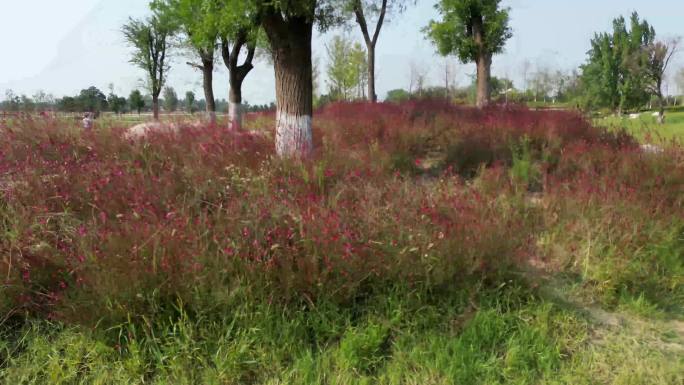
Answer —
(149, 39)
(455, 34)
(613, 76)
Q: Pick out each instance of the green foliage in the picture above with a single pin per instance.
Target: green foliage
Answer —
(397, 96)
(117, 104)
(170, 99)
(92, 99)
(524, 169)
(613, 76)
(136, 101)
(189, 102)
(347, 69)
(395, 337)
(12, 101)
(363, 349)
(455, 35)
(149, 39)
(198, 20)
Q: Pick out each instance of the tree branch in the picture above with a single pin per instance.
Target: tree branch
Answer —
(225, 51)
(361, 21)
(240, 40)
(195, 65)
(378, 26)
(251, 49)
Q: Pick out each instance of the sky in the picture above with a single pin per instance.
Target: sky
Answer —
(64, 46)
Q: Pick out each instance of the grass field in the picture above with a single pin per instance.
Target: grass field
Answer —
(421, 244)
(646, 128)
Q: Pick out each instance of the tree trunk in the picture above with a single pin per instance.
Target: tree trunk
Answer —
(235, 104)
(484, 65)
(236, 75)
(372, 97)
(291, 45)
(661, 110)
(370, 42)
(208, 85)
(155, 107)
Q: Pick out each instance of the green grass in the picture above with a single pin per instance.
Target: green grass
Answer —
(504, 335)
(646, 128)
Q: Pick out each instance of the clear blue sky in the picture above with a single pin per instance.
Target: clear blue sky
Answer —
(63, 46)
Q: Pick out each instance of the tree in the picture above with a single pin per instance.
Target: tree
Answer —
(12, 101)
(92, 99)
(117, 104)
(542, 83)
(136, 101)
(149, 39)
(67, 104)
(190, 102)
(170, 99)
(473, 30)
(363, 9)
(347, 68)
(657, 58)
(397, 96)
(198, 21)
(525, 69)
(613, 75)
(43, 100)
(27, 104)
(288, 26)
(417, 76)
(679, 80)
(239, 29)
(500, 86)
(449, 78)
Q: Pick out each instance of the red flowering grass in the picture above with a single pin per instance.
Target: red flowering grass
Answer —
(101, 227)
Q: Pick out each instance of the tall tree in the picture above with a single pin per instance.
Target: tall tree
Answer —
(679, 80)
(198, 22)
(613, 75)
(239, 31)
(136, 101)
(473, 30)
(190, 102)
(288, 26)
(92, 99)
(363, 10)
(43, 100)
(27, 104)
(117, 104)
(12, 101)
(67, 104)
(347, 68)
(149, 39)
(657, 58)
(170, 99)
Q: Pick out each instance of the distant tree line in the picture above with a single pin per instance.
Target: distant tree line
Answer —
(92, 99)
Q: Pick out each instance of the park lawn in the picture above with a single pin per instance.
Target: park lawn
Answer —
(646, 128)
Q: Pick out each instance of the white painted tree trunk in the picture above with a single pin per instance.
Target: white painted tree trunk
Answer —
(290, 41)
(211, 116)
(235, 116)
(293, 135)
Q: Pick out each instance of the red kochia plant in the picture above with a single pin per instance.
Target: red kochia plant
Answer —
(104, 227)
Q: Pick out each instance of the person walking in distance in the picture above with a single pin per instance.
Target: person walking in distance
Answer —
(87, 121)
